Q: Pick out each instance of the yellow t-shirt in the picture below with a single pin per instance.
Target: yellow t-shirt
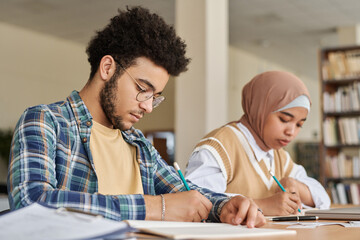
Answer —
(116, 167)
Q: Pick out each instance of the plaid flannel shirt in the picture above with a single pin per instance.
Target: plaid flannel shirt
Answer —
(51, 162)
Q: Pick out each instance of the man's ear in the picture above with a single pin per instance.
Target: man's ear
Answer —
(107, 67)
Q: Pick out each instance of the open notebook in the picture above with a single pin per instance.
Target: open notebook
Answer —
(352, 213)
(197, 230)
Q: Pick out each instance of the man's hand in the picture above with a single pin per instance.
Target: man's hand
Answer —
(241, 210)
(281, 203)
(190, 206)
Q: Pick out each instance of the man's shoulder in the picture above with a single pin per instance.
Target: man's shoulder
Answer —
(55, 112)
(56, 107)
(60, 106)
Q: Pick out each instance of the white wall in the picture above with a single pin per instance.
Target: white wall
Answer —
(35, 69)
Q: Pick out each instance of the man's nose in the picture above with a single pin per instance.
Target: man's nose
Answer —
(147, 105)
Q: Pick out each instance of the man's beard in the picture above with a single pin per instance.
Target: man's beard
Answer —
(107, 102)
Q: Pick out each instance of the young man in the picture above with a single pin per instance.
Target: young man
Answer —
(84, 153)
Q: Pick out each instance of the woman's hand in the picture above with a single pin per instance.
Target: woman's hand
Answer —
(279, 204)
(293, 186)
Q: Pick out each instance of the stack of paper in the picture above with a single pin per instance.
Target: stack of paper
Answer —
(39, 222)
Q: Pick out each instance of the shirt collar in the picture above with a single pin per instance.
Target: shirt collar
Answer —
(79, 108)
(132, 135)
(259, 153)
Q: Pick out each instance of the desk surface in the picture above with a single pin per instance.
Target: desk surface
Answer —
(332, 232)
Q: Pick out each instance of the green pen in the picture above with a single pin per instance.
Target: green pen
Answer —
(176, 166)
(181, 176)
(279, 184)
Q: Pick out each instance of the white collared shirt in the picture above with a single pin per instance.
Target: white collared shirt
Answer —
(204, 171)
(267, 157)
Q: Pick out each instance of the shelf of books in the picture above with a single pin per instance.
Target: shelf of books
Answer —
(340, 150)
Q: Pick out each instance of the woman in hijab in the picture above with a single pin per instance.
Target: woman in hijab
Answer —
(242, 156)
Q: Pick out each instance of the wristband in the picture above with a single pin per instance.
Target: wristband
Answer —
(221, 205)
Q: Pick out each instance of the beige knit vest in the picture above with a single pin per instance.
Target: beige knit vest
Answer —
(243, 173)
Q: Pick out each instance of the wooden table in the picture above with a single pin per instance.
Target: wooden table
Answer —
(332, 232)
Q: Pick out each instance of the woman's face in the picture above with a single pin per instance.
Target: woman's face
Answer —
(283, 126)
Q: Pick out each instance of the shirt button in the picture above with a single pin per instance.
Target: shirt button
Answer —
(88, 123)
(84, 140)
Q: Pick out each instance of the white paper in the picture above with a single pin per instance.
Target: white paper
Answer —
(197, 230)
(39, 222)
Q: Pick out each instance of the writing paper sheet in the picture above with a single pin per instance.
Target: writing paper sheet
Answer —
(197, 230)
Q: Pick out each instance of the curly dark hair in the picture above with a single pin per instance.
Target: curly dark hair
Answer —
(138, 33)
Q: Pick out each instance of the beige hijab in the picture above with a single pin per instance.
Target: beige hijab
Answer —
(266, 93)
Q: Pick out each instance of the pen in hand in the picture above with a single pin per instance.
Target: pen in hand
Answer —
(279, 184)
(176, 166)
(181, 176)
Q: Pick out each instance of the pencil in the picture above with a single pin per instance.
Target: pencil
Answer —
(181, 176)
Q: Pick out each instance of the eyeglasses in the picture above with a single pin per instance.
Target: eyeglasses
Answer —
(145, 94)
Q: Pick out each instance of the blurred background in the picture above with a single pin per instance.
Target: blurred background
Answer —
(42, 49)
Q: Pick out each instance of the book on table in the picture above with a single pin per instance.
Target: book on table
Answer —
(351, 213)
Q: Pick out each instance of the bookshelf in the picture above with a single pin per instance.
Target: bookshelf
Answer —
(340, 104)
(307, 155)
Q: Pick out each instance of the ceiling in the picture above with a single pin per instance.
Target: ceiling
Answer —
(287, 32)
